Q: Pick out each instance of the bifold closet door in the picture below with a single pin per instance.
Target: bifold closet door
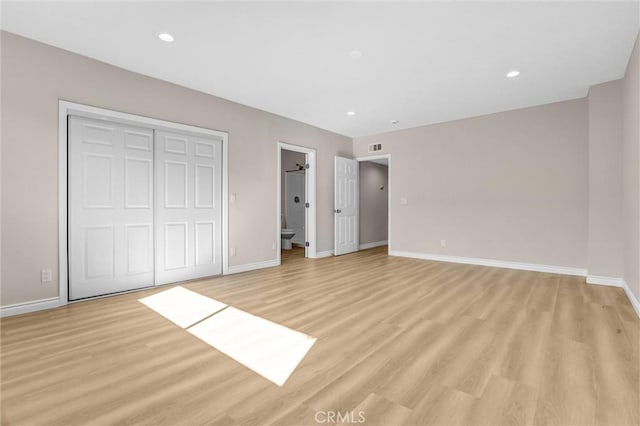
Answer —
(110, 207)
(188, 207)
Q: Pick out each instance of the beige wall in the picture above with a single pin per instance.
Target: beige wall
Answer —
(35, 76)
(631, 171)
(373, 202)
(509, 186)
(536, 185)
(605, 249)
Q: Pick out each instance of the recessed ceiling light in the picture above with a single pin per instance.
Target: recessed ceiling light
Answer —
(351, 113)
(394, 122)
(355, 54)
(165, 37)
(513, 73)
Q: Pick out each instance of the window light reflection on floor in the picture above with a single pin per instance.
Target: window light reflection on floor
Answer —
(182, 306)
(269, 349)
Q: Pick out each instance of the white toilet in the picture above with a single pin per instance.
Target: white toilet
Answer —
(286, 235)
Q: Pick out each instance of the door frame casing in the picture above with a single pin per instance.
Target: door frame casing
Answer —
(66, 108)
(310, 196)
(388, 158)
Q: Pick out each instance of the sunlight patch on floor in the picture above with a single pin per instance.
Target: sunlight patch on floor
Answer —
(182, 306)
(269, 349)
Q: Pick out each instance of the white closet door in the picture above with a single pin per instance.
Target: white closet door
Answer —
(346, 206)
(110, 207)
(188, 207)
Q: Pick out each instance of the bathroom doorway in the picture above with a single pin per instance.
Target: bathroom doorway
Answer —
(296, 202)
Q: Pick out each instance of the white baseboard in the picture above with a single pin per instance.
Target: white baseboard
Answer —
(632, 298)
(26, 307)
(326, 253)
(616, 282)
(253, 266)
(372, 245)
(552, 269)
(610, 281)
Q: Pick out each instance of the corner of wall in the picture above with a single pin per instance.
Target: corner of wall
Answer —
(631, 171)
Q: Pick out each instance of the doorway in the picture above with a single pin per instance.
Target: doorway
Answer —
(296, 237)
(373, 202)
(360, 199)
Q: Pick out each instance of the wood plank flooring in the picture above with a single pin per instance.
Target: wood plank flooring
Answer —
(401, 341)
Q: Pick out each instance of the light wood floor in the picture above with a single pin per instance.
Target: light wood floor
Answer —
(404, 341)
(293, 254)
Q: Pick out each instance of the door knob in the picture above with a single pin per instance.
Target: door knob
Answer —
(338, 211)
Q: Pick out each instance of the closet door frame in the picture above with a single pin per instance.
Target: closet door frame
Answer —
(66, 108)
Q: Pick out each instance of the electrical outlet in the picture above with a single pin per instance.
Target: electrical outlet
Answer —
(46, 275)
(232, 199)
(233, 251)
(443, 243)
(403, 201)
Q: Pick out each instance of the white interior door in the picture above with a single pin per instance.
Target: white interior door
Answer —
(346, 206)
(295, 209)
(110, 205)
(188, 207)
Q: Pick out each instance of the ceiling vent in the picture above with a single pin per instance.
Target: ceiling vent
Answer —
(375, 147)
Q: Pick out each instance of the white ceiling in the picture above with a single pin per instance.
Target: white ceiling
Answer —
(422, 63)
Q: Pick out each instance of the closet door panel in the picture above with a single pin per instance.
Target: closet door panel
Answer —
(110, 207)
(188, 213)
